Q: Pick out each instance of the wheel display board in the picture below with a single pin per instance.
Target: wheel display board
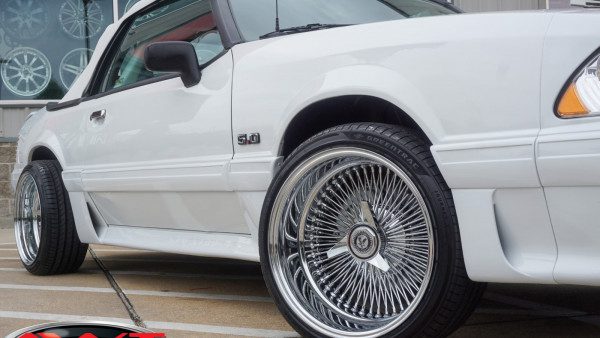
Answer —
(46, 44)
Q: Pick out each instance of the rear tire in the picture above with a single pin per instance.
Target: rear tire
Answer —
(342, 260)
(45, 231)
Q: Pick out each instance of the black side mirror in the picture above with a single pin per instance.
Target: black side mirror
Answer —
(174, 57)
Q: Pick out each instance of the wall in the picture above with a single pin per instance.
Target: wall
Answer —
(7, 158)
(11, 119)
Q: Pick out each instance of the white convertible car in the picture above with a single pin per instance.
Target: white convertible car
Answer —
(379, 158)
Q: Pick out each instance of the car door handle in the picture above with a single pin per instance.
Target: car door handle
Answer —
(98, 115)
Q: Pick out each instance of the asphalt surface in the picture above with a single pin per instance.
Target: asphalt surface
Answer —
(186, 296)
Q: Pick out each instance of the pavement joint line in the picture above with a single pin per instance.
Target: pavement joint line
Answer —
(163, 260)
(226, 330)
(156, 274)
(55, 288)
(576, 315)
(95, 250)
(145, 260)
(173, 294)
(137, 320)
(199, 295)
(200, 328)
(186, 275)
(54, 317)
(8, 243)
(13, 269)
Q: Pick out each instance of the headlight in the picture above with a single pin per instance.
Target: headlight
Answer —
(581, 97)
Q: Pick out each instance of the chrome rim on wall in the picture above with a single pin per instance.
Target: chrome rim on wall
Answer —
(28, 218)
(350, 241)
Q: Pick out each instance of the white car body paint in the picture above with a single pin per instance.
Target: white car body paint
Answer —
(169, 175)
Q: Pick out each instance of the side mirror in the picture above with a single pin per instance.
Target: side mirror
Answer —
(174, 57)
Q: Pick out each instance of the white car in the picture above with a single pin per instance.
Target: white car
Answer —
(379, 158)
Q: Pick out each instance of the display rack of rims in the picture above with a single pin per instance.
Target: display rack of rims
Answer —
(73, 64)
(81, 19)
(24, 19)
(46, 45)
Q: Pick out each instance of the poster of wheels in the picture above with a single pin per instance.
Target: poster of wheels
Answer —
(46, 44)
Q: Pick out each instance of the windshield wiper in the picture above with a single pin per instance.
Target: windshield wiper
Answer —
(301, 29)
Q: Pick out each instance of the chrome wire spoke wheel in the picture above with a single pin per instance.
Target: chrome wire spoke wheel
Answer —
(81, 19)
(24, 19)
(73, 64)
(351, 245)
(28, 219)
(26, 72)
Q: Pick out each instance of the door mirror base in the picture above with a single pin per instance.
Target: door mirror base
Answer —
(174, 57)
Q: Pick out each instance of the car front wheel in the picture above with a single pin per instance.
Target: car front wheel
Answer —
(359, 237)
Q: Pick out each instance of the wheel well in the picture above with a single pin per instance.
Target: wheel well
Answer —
(341, 110)
(42, 153)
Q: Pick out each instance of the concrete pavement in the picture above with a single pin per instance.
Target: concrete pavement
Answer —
(188, 296)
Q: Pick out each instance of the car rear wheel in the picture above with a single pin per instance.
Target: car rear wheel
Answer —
(45, 232)
(359, 237)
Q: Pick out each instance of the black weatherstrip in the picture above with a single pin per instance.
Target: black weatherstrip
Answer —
(52, 106)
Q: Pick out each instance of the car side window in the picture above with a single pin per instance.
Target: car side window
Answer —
(178, 20)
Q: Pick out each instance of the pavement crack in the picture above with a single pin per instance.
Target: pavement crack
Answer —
(137, 320)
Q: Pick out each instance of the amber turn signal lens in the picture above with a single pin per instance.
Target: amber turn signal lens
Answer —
(570, 105)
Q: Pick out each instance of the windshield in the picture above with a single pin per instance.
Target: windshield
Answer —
(256, 18)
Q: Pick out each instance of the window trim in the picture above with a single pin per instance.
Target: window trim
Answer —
(93, 88)
(96, 80)
(53, 106)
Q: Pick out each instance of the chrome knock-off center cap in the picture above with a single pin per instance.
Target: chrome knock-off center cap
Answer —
(363, 242)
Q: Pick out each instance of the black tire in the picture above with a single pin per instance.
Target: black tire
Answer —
(450, 296)
(60, 250)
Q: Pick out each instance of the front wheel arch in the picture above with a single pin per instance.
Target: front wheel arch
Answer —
(41, 153)
(338, 110)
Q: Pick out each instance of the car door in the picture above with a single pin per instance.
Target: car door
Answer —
(157, 152)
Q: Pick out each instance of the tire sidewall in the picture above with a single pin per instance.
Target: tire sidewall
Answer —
(60, 250)
(423, 176)
(34, 171)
